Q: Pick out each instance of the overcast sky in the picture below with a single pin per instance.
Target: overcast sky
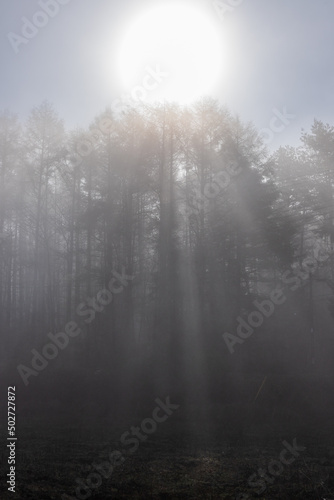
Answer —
(280, 55)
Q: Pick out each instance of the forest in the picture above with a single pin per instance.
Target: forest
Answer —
(166, 254)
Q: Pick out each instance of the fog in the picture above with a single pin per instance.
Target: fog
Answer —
(166, 300)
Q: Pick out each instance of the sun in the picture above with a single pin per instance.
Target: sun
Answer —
(170, 52)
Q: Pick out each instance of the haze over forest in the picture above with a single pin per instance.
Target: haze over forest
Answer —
(167, 272)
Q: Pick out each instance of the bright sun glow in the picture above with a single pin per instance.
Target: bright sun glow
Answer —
(171, 52)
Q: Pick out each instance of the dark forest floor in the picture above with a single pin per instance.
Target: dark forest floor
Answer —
(188, 457)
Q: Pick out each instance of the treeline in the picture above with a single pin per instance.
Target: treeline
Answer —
(188, 203)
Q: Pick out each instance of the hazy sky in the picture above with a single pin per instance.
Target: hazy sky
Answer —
(279, 55)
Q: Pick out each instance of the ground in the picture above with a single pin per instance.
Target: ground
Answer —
(189, 456)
